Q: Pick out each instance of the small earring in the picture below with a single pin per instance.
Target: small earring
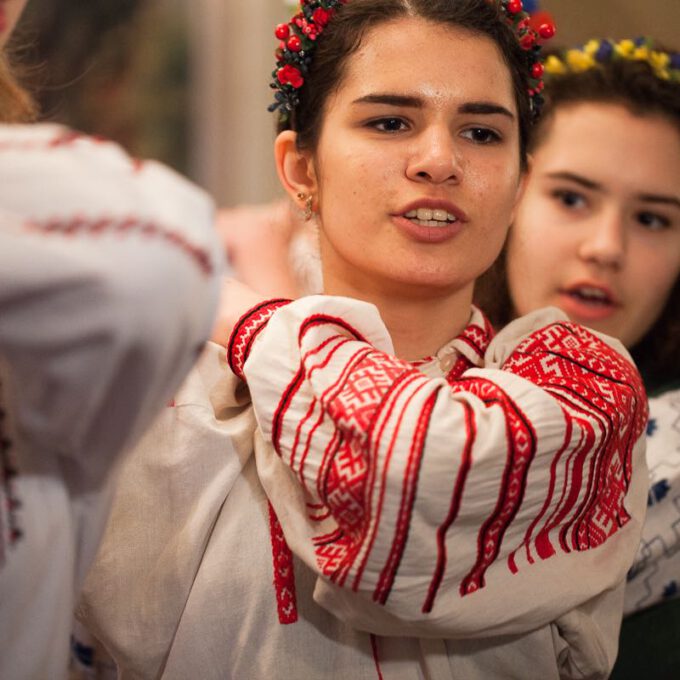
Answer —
(309, 202)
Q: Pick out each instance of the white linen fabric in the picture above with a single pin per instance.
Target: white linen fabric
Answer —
(655, 575)
(193, 577)
(109, 271)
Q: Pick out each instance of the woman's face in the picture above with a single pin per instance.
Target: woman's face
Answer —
(11, 9)
(417, 166)
(598, 230)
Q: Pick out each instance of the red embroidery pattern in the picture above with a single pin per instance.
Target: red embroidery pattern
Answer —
(465, 462)
(355, 408)
(521, 448)
(477, 339)
(246, 330)
(602, 397)
(81, 226)
(284, 575)
(381, 410)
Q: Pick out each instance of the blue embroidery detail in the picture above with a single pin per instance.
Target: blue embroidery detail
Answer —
(658, 492)
(652, 427)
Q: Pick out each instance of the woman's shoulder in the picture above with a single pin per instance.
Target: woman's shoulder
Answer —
(549, 330)
(571, 361)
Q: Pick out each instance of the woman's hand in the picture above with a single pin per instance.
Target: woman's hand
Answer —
(257, 242)
(236, 299)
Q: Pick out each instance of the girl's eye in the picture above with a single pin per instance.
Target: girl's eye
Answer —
(389, 125)
(652, 221)
(481, 135)
(570, 199)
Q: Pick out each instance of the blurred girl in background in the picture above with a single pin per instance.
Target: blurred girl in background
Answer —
(598, 235)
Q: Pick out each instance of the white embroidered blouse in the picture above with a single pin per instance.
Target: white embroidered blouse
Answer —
(472, 516)
(108, 282)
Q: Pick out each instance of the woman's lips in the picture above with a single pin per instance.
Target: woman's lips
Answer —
(424, 231)
(588, 302)
(430, 220)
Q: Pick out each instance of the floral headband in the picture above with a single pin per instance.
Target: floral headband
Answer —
(596, 52)
(297, 40)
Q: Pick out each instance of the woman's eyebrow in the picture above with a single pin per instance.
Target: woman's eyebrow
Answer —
(391, 100)
(413, 102)
(485, 108)
(658, 198)
(577, 179)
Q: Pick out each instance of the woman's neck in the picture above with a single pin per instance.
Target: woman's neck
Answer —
(419, 325)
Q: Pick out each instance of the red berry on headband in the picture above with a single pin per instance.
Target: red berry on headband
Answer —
(515, 6)
(546, 31)
(321, 16)
(537, 70)
(528, 40)
(282, 31)
(294, 43)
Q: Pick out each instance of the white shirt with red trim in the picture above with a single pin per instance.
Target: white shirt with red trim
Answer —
(108, 283)
(472, 516)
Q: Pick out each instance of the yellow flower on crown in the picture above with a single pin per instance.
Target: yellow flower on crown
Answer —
(554, 66)
(591, 47)
(625, 48)
(659, 60)
(578, 61)
(641, 54)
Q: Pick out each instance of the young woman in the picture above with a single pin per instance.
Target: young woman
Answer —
(598, 235)
(91, 244)
(470, 513)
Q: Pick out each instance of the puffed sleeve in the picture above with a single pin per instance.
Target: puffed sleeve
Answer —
(490, 503)
(108, 284)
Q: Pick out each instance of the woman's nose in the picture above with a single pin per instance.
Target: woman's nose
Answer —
(435, 158)
(605, 240)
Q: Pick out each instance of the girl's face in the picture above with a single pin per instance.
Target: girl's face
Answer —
(598, 230)
(417, 168)
(11, 9)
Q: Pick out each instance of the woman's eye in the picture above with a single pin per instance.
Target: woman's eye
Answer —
(652, 221)
(389, 125)
(570, 199)
(481, 135)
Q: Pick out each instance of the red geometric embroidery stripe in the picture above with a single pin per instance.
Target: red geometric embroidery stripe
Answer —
(461, 477)
(246, 330)
(284, 574)
(543, 546)
(594, 386)
(408, 494)
(477, 339)
(76, 226)
(521, 443)
(321, 319)
(374, 442)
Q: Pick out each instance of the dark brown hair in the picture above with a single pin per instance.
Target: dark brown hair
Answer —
(16, 105)
(634, 86)
(343, 35)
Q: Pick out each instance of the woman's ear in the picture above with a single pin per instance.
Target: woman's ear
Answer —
(295, 168)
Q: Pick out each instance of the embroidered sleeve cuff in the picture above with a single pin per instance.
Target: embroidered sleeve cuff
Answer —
(246, 330)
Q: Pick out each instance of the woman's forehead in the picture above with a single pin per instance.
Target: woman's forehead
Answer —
(608, 143)
(435, 61)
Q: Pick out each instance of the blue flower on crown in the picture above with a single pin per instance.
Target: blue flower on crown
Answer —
(604, 51)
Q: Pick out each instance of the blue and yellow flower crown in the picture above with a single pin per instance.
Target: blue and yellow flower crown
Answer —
(297, 41)
(666, 65)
